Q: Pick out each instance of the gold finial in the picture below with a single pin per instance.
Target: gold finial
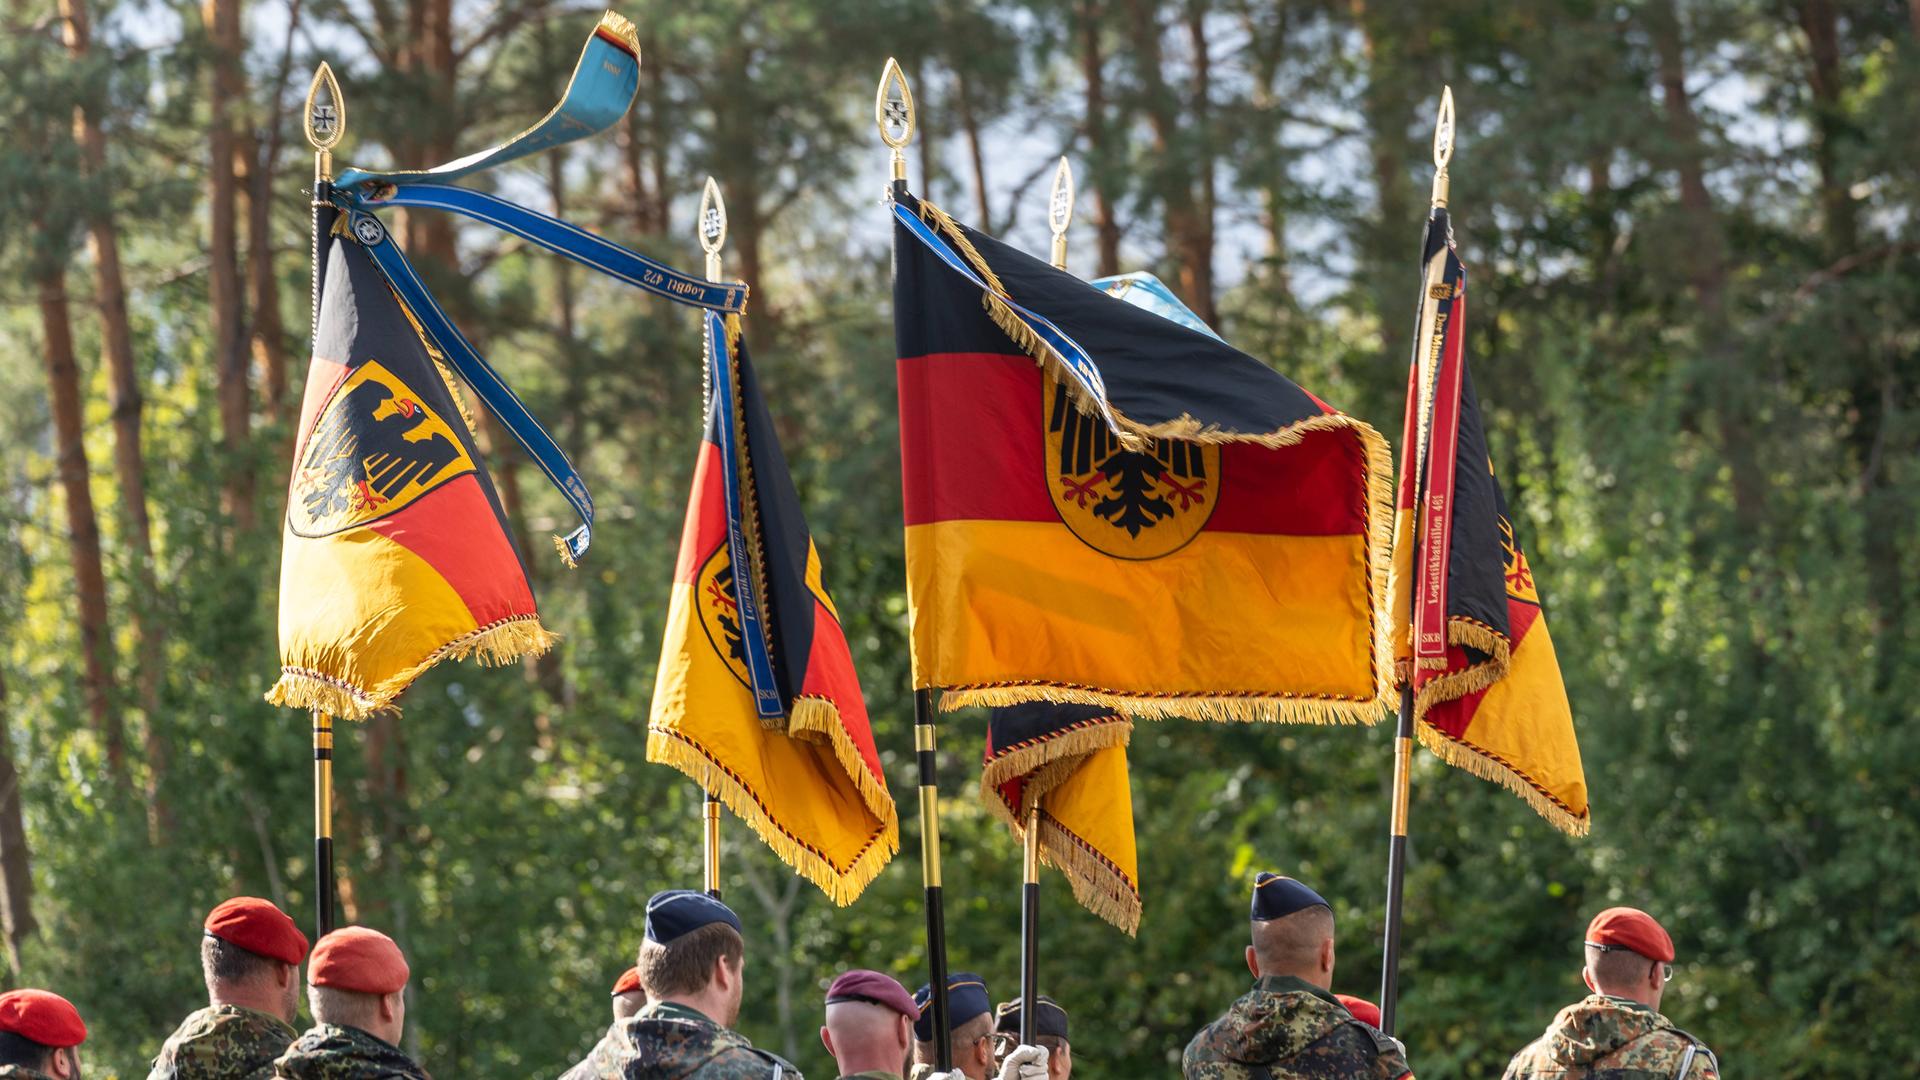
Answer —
(1442, 146)
(893, 112)
(713, 227)
(1060, 211)
(326, 119)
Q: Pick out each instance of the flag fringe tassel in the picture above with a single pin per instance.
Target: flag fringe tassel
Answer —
(1249, 708)
(1467, 759)
(842, 887)
(495, 645)
(1097, 884)
(816, 719)
(1378, 509)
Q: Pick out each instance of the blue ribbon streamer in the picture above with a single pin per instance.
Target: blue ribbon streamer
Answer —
(561, 238)
(1078, 362)
(720, 376)
(597, 95)
(485, 382)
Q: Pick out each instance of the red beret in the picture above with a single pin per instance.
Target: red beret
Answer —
(1631, 928)
(358, 959)
(43, 1017)
(258, 926)
(1363, 1010)
(628, 982)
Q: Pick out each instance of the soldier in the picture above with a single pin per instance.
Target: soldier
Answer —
(1049, 1029)
(691, 964)
(869, 1026)
(1617, 1032)
(250, 955)
(969, 1026)
(356, 988)
(1289, 1025)
(629, 997)
(40, 1036)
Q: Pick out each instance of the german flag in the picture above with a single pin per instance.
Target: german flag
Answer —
(1469, 634)
(1069, 762)
(396, 554)
(1107, 508)
(756, 698)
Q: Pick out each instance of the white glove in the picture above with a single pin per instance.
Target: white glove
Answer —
(954, 1075)
(1025, 1063)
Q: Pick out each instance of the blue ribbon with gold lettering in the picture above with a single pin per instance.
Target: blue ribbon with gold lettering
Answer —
(725, 421)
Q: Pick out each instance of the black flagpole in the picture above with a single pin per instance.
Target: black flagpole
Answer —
(1403, 738)
(326, 121)
(893, 113)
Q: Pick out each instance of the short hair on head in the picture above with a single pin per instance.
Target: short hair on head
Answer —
(223, 961)
(344, 1008)
(1617, 969)
(16, 1049)
(1292, 943)
(685, 964)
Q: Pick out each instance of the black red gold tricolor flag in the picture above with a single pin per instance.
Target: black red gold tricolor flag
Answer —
(756, 699)
(1468, 627)
(396, 554)
(1071, 762)
(1104, 507)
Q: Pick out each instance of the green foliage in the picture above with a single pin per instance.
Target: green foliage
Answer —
(1741, 663)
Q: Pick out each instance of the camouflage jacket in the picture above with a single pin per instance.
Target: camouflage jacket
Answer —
(1288, 1029)
(669, 1041)
(330, 1052)
(21, 1072)
(223, 1042)
(1609, 1038)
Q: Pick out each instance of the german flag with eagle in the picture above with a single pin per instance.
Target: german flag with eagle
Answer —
(1469, 635)
(1107, 508)
(756, 698)
(396, 554)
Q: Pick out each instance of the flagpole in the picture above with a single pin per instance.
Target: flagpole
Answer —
(1403, 738)
(712, 223)
(893, 114)
(1059, 217)
(325, 121)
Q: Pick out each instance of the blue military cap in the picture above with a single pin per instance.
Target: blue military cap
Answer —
(966, 999)
(1049, 1019)
(1276, 897)
(682, 911)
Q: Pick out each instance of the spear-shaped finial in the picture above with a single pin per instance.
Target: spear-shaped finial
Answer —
(1442, 146)
(326, 119)
(893, 113)
(713, 227)
(1060, 211)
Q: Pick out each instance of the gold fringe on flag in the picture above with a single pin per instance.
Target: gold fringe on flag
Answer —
(497, 645)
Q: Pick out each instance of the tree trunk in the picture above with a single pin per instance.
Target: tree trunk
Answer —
(1707, 270)
(227, 89)
(1187, 217)
(89, 580)
(1269, 158)
(270, 353)
(1099, 140)
(16, 867)
(1388, 243)
(970, 126)
(129, 461)
(1201, 241)
(1821, 23)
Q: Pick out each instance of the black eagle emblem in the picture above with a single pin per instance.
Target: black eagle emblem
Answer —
(1129, 489)
(371, 445)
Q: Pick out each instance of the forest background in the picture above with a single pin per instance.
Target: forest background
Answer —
(1692, 229)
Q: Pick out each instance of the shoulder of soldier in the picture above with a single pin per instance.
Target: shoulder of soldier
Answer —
(21, 1072)
(744, 1061)
(1353, 1042)
(1532, 1061)
(1663, 1051)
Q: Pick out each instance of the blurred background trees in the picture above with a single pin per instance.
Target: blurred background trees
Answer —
(1697, 330)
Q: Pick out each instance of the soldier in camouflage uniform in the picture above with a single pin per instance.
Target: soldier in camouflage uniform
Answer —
(1617, 1032)
(356, 987)
(629, 997)
(250, 955)
(691, 964)
(1289, 1026)
(40, 1036)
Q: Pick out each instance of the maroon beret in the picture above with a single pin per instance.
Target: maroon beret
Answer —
(358, 959)
(1631, 928)
(258, 926)
(42, 1017)
(873, 988)
(628, 982)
